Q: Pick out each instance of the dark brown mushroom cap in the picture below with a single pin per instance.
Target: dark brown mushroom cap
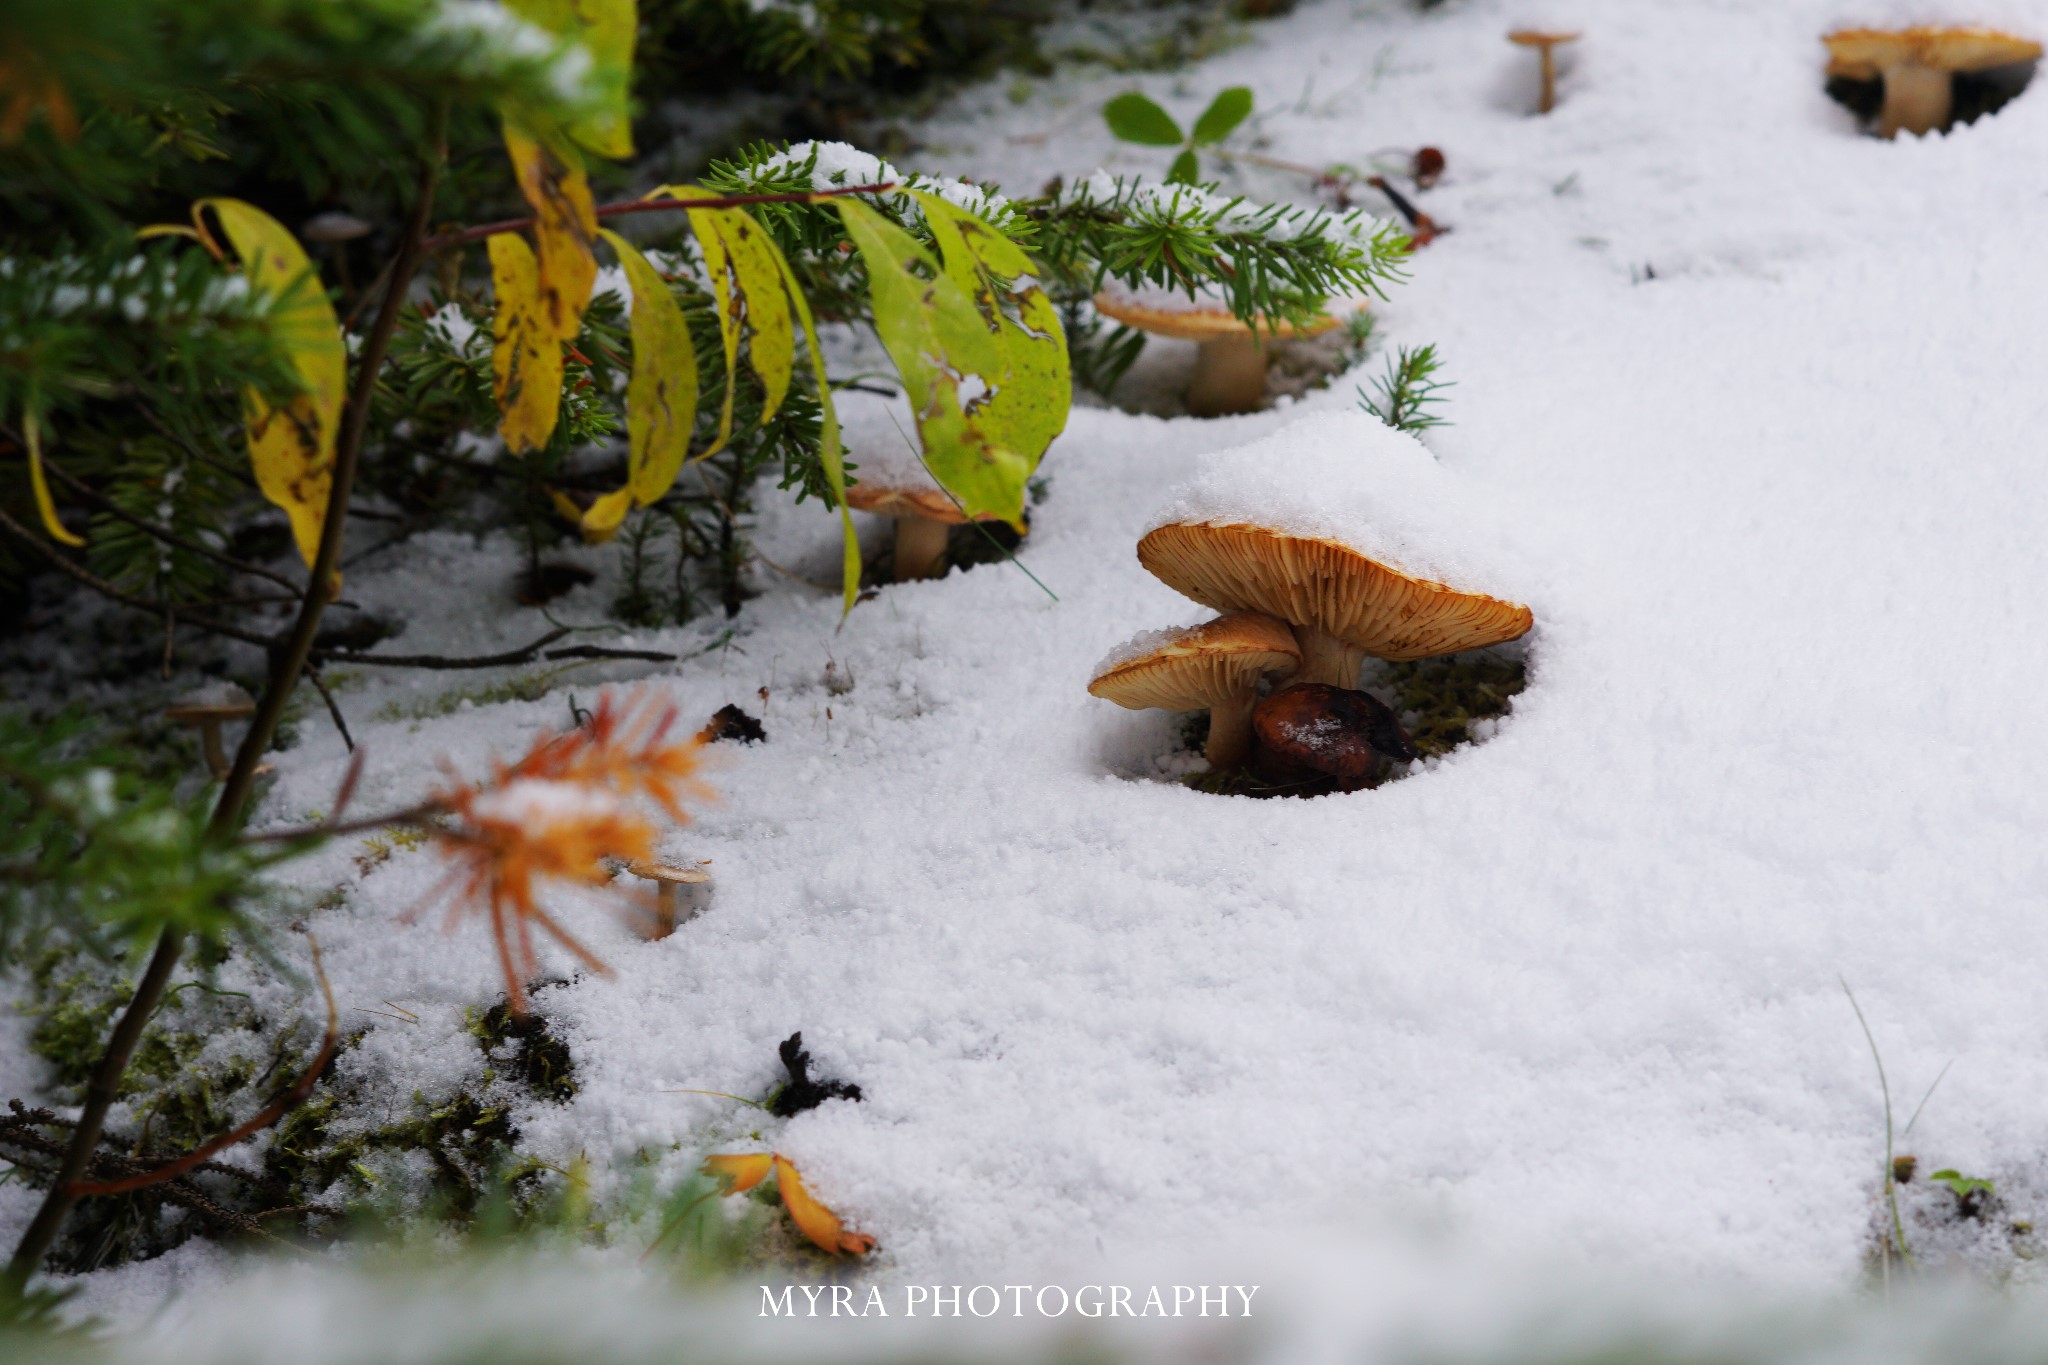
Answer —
(1328, 587)
(1337, 731)
(1188, 670)
(1864, 53)
(1203, 322)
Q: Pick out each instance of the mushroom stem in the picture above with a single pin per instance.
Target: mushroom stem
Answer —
(664, 911)
(1230, 731)
(1917, 99)
(1327, 659)
(216, 755)
(920, 548)
(1548, 99)
(1230, 376)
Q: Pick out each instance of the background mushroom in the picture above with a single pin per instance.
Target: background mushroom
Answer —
(206, 710)
(1545, 45)
(1918, 67)
(668, 911)
(923, 516)
(1230, 360)
(1350, 532)
(1216, 665)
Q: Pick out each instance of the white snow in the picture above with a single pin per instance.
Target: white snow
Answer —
(1346, 477)
(1758, 401)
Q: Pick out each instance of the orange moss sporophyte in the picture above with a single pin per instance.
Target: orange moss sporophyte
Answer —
(572, 801)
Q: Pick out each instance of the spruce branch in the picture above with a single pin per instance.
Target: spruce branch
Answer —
(1409, 391)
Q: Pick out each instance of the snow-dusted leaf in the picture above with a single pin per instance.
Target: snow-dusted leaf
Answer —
(291, 445)
(526, 354)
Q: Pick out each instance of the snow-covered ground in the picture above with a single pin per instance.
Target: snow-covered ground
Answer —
(1761, 400)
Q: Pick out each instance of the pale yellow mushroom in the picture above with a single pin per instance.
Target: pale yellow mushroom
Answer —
(1918, 67)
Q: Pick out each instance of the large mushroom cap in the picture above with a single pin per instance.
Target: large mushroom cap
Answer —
(1166, 314)
(1328, 586)
(1192, 667)
(1864, 53)
(1347, 527)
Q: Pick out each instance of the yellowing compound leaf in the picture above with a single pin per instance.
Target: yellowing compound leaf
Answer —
(751, 284)
(45, 504)
(606, 28)
(816, 1221)
(564, 224)
(661, 396)
(1027, 402)
(741, 1172)
(988, 393)
(526, 354)
(291, 445)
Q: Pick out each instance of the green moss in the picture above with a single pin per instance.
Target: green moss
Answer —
(1440, 700)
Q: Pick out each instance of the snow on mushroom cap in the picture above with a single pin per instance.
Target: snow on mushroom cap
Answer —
(1348, 478)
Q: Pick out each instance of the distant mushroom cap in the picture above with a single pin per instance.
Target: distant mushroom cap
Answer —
(661, 872)
(929, 503)
(1530, 37)
(334, 226)
(1200, 319)
(1864, 53)
(215, 701)
(1195, 667)
(1328, 587)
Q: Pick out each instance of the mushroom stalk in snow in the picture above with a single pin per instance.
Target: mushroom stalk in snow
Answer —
(1230, 364)
(1216, 665)
(924, 517)
(1918, 67)
(1545, 45)
(666, 879)
(206, 711)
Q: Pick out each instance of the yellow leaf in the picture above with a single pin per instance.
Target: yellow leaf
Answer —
(830, 454)
(661, 396)
(291, 446)
(740, 1173)
(526, 355)
(44, 503)
(748, 279)
(606, 28)
(598, 522)
(564, 224)
(816, 1221)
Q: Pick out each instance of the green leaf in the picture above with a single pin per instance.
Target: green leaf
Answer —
(1962, 1185)
(606, 28)
(982, 447)
(1184, 170)
(1134, 118)
(1223, 115)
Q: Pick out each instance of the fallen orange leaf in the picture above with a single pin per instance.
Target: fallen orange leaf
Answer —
(742, 1172)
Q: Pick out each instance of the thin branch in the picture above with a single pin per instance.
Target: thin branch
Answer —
(525, 654)
(602, 652)
(333, 709)
(460, 236)
(271, 1113)
(411, 815)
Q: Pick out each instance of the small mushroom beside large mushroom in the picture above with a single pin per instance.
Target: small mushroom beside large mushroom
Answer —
(1231, 356)
(1216, 666)
(206, 710)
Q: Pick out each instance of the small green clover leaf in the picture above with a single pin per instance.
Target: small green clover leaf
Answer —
(1133, 117)
(1963, 1186)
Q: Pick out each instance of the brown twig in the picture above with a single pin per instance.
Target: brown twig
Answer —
(271, 1113)
(460, 236)
(333, 708)
(525, 654)
(654, 656)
